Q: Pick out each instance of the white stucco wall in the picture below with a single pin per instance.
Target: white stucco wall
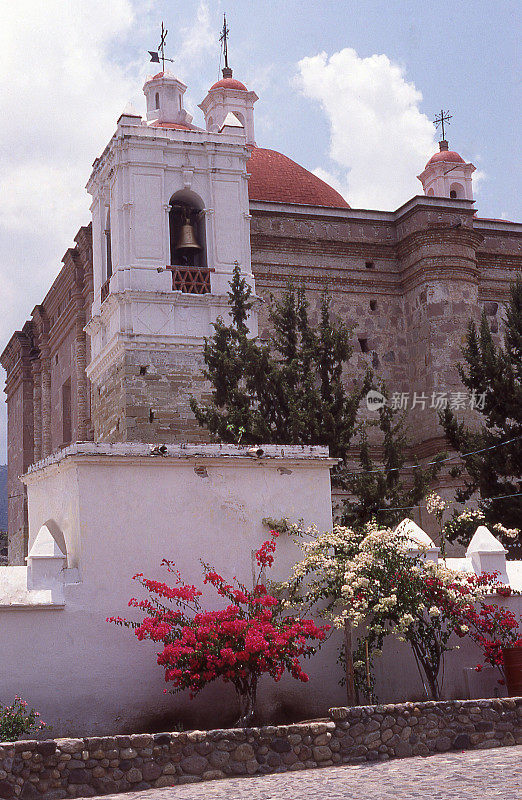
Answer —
(121, 511)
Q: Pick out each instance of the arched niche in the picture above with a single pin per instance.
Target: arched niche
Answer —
(430, 193)
(108, 246)
(457, 191)
(187, 207)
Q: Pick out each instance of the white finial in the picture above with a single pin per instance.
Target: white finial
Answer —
(487, 554)
(231, 121)
(417, 540)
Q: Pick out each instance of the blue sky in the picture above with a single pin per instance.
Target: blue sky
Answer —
(348, 89)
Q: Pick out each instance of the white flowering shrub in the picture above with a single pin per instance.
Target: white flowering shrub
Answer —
(461, 527)
(369, 577)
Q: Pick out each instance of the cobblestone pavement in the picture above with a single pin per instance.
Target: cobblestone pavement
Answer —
(472, 775)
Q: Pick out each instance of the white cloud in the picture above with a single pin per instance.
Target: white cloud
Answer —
(67, 69)
(59, 89)
(379, 139)
(477, 178)
(197, 39)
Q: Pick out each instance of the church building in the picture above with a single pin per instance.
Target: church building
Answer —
(113, 353)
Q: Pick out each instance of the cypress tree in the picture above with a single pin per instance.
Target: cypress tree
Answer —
(493, 374)
(286, 391)
(383, 493)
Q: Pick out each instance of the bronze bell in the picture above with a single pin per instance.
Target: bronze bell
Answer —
(187, 237)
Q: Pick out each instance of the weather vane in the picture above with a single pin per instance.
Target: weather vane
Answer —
(155, 54)
(227, 72)
(445, 116)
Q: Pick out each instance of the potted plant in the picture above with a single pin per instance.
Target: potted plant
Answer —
(513, 668)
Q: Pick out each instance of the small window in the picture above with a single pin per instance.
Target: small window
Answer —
(373, 304)
(143, 370)
(364, 345)
(369, 264)
(66, 412)
(457, 191)
(157, 100)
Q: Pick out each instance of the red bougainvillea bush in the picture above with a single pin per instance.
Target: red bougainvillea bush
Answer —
(494, 627)
(237, 643)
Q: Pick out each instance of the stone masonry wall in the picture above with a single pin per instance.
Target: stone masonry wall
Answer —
(145, 396)
(64, 768)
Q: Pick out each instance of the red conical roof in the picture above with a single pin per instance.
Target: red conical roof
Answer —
(229, 83)
(446, 155)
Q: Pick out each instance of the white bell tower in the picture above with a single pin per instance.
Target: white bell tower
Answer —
(164, 93)
(170, 219)
(229, 98)
(447, 175)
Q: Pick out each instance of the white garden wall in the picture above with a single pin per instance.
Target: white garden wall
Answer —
(122, 511)
(100, 513)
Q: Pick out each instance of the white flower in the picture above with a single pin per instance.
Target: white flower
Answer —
(434, 611)
(435, 504)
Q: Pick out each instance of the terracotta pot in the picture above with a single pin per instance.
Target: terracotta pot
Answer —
(513, 670)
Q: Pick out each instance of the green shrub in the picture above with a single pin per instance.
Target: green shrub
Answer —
(15, 720)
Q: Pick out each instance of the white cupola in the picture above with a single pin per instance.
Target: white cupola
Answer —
(230, 96)
(164, 93)
(447, 175)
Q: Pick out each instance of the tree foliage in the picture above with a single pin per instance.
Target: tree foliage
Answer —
(373, 579)
(292, 390)
(286, 391)
(381, 492)
(494, 374)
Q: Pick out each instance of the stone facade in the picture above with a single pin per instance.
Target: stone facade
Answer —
(121, 330)
(48, 394)
(62, 768)
(145, 396)
(407, 281)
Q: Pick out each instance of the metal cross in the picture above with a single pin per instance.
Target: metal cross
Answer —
(154, 54)
(224, 39)
(445, 116)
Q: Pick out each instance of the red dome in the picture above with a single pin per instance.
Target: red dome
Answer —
(278, 179)
(446, 155)
(229, 83)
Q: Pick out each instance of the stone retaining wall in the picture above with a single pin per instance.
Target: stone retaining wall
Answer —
(85, 767)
